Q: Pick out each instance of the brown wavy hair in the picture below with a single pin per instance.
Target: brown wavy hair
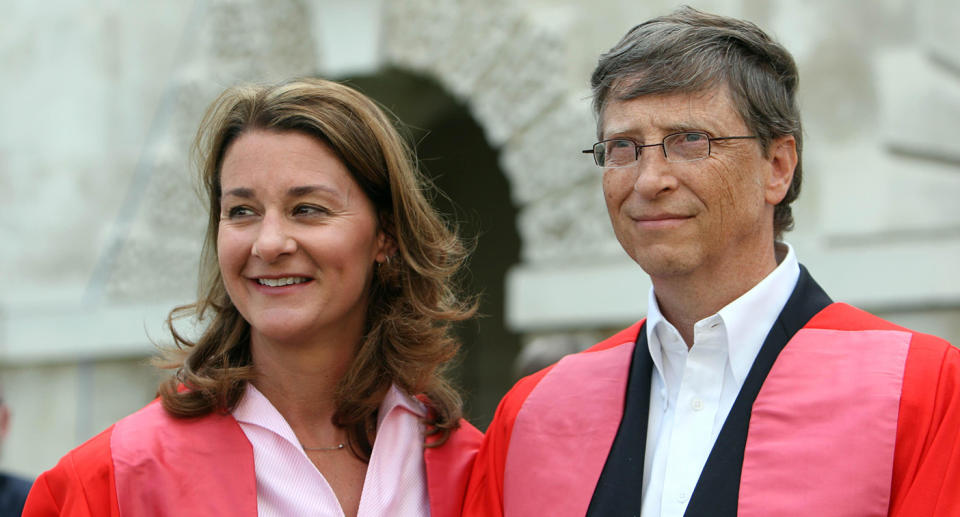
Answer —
(413, 301)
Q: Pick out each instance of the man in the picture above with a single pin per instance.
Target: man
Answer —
(13, 490)
(746, 390)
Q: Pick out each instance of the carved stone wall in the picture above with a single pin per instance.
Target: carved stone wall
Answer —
(157, 238)
(512, 73)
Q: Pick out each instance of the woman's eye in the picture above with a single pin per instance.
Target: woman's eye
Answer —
(310, 210)
(239, 211)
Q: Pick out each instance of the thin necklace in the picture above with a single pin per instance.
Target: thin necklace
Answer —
(336, 447)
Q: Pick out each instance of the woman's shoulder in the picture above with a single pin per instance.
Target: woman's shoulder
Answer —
(89, 466)
(81, 480)
(153, 432)
(465, 436)
(148, 448)
(95, 455)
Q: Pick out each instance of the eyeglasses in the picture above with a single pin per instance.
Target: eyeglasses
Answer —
(687, 146)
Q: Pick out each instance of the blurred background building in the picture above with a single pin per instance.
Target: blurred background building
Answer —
(101, 226)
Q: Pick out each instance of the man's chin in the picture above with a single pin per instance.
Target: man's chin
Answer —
(662, 264)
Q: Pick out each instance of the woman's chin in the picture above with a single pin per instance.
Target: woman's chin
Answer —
(279, 332)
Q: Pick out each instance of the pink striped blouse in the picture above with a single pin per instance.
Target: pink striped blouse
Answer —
(288, 484)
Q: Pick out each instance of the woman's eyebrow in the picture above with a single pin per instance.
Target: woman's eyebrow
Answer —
(310, 189)
(242, 192)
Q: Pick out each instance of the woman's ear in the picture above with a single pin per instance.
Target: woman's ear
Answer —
(386, 243)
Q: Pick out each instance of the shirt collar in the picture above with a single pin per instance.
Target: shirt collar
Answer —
(254, 408)
(655, 320)
(396, 398)
(747, 320)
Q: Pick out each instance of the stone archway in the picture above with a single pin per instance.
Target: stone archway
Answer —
(511, 74)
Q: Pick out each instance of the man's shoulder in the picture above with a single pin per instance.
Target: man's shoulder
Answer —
(929, 358)
(13, 493)
(514, 399)
(844, 317)
(14, 483)
(14, 486)
(627, 335)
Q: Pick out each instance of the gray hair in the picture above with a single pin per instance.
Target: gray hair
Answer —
(689, 51)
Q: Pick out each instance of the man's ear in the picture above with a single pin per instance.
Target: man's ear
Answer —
(782, 160)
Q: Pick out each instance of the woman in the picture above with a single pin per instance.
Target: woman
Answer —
(326, 280)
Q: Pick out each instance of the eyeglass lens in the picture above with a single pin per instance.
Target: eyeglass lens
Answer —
(685, 147)
(678, 147)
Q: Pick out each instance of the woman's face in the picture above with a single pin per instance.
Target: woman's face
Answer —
(297, 239)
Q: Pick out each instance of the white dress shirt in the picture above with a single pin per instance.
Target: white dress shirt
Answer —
(692, 391)
(288, 484)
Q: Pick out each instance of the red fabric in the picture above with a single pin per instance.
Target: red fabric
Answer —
(926, 463)
(81, 485)
(448, 469)
(926, 474)
(560, 485)
(803, 420)
(485, 491)
(172, 477)
(165, 465)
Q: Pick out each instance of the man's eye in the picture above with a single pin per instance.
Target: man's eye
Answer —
(620, 144)
(693, 137)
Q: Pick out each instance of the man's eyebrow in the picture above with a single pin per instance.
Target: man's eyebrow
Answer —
(673, 127)
(683, 127)
(608, 132)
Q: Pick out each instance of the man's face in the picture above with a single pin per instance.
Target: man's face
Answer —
(698, 217)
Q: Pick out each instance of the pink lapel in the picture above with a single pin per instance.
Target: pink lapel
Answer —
(823, 428)
(564, 431)
(170, 466)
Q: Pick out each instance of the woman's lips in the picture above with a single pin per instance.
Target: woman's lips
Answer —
(280, 283)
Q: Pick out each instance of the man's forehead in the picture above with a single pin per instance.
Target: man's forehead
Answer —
(702, 110)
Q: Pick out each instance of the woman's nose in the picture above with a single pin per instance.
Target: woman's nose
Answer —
(273, 240)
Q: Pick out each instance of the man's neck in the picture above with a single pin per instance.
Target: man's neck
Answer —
(686, 299)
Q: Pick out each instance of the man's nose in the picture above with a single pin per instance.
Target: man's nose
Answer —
(273, 239)
(655, 175)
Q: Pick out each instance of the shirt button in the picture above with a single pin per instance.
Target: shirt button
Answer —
(696, 404)
(682, 497)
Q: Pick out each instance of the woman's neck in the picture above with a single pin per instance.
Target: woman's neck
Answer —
(301, 382)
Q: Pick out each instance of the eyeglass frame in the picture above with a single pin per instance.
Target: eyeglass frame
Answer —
(638, 148)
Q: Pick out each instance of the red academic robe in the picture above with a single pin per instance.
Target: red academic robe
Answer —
(150, 463)
(551, 435)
